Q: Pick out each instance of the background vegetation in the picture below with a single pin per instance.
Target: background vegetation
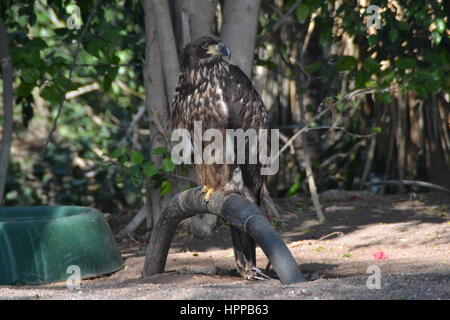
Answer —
(387, 90)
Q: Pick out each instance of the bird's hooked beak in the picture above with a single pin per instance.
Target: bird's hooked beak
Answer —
(224, 50)
(220, 49)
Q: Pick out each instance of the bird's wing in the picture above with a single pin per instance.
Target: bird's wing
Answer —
(246, 111)
(180, 106)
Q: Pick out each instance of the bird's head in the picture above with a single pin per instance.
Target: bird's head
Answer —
(204, 50)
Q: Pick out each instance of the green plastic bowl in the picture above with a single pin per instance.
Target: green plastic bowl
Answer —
(39, 244)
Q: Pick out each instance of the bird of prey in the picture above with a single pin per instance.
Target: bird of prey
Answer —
(219, 94)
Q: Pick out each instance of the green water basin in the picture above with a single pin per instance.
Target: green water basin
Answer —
(50, 244)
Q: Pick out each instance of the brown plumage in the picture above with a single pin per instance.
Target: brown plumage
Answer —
(221, 96)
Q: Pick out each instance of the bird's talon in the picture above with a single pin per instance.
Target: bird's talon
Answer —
(209, 191)
(258, 275)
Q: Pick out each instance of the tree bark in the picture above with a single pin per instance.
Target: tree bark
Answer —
(168, 48)
(8, 112)
(201, 17)
(157, 106)
(240, 23)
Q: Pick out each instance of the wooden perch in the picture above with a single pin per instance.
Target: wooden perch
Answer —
(238, 211)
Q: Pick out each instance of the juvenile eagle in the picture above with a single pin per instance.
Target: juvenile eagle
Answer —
(220, 95)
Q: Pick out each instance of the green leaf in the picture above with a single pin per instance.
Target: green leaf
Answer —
(325, 37)
(117, 153)
(377, 129)
(150, 170)
(106, 83)
(436, 37)
(24, 89)
(360, 78)
(405, 63)
(168, 165)
(52, 94)
(393, 35)
(136, 157)
(30, 75)
(294, 189)
(94, 47)
(370, 84)
(403, 26)
(38, 43)
(440, 25)
(134, 171)
(372, 40)
(165, 188)
(313, 67)
(302, 12)
(371, 65)
(159, 150)
(346, 63)
(122, 159)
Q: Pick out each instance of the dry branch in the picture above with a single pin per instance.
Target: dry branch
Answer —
(410, 183)
(347, 97)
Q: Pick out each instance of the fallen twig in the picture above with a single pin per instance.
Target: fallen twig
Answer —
(410, 183)
(338, 233)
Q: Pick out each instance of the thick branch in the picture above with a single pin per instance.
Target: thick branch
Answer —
(238, 211)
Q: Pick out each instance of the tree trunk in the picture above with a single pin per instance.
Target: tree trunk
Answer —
(201, 17)
(240, 23)
(194, 18)
(8, 113)
(156, 105)
(168, 48)
(437, 167)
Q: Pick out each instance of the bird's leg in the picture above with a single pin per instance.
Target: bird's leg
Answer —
(209, 191)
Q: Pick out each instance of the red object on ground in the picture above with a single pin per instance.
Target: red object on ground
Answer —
(380, 255)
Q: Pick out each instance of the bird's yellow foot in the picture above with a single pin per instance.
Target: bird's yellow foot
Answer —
(209, 191)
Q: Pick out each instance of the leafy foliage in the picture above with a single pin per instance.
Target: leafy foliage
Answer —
(100, 157)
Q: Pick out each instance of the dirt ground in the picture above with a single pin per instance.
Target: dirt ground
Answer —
(406, 236)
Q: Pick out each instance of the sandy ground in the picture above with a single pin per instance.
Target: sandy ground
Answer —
(413, 233)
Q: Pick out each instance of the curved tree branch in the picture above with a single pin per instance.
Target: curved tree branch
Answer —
(238, 211)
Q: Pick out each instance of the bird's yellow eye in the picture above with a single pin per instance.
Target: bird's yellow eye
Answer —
(205, 45)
